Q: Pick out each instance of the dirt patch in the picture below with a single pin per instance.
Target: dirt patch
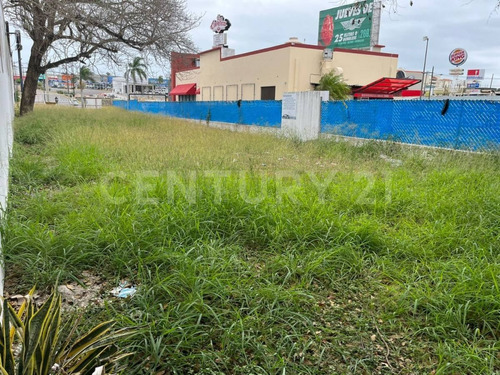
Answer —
(90, 291)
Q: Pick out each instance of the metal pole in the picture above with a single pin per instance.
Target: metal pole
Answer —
(126, 88)
(46, 95)
(81, 85)
(8, 36)
(491, 82)
(430, 89)
(426, 39)
(19, 48)
(67, 80)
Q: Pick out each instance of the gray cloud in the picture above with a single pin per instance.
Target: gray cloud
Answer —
(470, 24)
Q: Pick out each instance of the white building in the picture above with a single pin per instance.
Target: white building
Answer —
(139, 86)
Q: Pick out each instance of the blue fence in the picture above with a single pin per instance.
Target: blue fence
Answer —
(459, 124)
(265, 113)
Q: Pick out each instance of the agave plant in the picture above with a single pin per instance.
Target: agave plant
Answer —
(45, 349)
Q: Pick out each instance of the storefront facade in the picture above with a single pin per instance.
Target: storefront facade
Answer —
(268, 73)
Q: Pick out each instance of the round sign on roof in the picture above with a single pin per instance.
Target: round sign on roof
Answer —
(220, 24)
(458, 56)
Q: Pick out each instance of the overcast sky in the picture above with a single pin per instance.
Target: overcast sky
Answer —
(469, 24)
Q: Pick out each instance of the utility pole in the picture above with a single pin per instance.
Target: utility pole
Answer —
(430, 89)
(67, 79)
(19, 47)
(46, 87)
(425, 39)
(126, 87)
(81, 83)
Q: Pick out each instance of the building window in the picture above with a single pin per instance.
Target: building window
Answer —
(268, 93)
(187, 98)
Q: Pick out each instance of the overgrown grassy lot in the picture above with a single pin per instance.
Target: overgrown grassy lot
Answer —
(258, 255)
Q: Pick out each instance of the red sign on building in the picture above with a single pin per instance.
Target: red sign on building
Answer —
(475, 74)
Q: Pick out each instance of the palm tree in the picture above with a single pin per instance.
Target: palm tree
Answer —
(160, 81)
(136, 68)
(85, 75)
(334, 84)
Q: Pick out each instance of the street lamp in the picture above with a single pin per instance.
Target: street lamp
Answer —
(426, 40)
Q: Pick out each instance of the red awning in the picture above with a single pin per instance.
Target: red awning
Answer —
(187, 89)
(384, 88)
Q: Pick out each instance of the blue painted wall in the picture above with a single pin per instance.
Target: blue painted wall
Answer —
(265, 113)
(467, 124)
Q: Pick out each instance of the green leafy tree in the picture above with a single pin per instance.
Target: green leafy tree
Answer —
(84, 76)
(335, 85)
(161, 80)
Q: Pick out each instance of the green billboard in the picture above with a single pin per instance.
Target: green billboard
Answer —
(348, 26)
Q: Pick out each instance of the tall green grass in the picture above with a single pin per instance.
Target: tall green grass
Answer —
(259, 255)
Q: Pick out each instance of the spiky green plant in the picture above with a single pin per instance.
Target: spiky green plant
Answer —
(45, 347)
(335, 85)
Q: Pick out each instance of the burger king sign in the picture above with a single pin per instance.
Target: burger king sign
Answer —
(458, 56)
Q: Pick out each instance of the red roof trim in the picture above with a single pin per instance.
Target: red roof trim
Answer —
(264, 50)
(210, 50)
(361, 52)
(299, 45)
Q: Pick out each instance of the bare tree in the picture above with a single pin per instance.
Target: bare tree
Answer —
(73, 30)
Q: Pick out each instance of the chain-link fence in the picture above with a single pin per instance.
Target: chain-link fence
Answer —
(259, 112)
(457, 124)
